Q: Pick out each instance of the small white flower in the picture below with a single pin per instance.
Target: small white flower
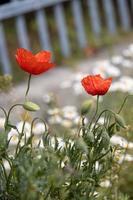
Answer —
(127, 53)
(54, 111)
(126, 157)
(131, 47)
(97, 165)
(66, 123)
(55, 119)
(13, 137)
(47, 98)
(130, 145)
(39, 128)
(6, 165)
(65, 84)
(61, 143)
(27, 126)
(69, 112)
(118, 140)
(78, 77)
(2, 122)
(106, 68)
(127, 63)
(117, 60)
(101, 120)
(77, 87)
(105, 184)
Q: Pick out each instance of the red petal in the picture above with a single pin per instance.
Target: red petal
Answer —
(25, 59)
(96, 85)
(43, 56)
(42, 67)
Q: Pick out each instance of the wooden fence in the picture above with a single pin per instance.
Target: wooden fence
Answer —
(18, 8)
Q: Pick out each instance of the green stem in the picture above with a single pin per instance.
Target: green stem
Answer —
(106, 110)
(28, 87)
(33, 121)
(3, 111)
(9, 112)
(4, 170)
(93, 118)
(48, 193)
(21, 135)
(124, 103)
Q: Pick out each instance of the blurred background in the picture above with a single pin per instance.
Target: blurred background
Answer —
(85, 37)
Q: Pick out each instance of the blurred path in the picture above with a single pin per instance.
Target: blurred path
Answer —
(65, 82)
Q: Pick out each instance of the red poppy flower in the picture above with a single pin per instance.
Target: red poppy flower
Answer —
(34, 64)
(96, 85)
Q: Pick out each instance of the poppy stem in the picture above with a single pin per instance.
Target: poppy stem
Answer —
(93, 118)
(28, 87)
(124, 103)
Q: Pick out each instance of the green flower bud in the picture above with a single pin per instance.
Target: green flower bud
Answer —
(120, 121)
(85, 107)
(105, 140)
(111, 129)
(82, 145)
(90, 137)
(30, 106)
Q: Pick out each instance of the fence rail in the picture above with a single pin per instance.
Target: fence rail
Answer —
(18, 9)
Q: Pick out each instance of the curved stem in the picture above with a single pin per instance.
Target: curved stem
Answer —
(124, 103)
(9, 112)
(37, 118)
(28, 87)
(4, 170)
(4, 111)
(106, 110)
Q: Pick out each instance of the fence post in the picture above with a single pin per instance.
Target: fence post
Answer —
(78, 19)
(6, 68)
(62, 29)
(94, 15)
(22, 31)
(43, 30)
(124, 14)
(110, 19)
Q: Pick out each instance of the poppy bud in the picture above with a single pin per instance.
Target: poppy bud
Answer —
(90, 137)
(120, 121)
(85, 107)
(82, 145)
(105, 140)
(111, 129)
(30, 106)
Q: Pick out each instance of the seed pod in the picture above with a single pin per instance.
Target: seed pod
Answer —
(85, 107)
(30, 106)
(120, 121)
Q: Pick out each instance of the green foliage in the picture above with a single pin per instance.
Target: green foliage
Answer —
(5, 83)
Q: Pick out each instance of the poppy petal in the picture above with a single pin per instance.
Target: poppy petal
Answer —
(43, 56)
(96, 85)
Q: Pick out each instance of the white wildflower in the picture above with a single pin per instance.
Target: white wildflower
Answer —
(105, 184)
(69, 112)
